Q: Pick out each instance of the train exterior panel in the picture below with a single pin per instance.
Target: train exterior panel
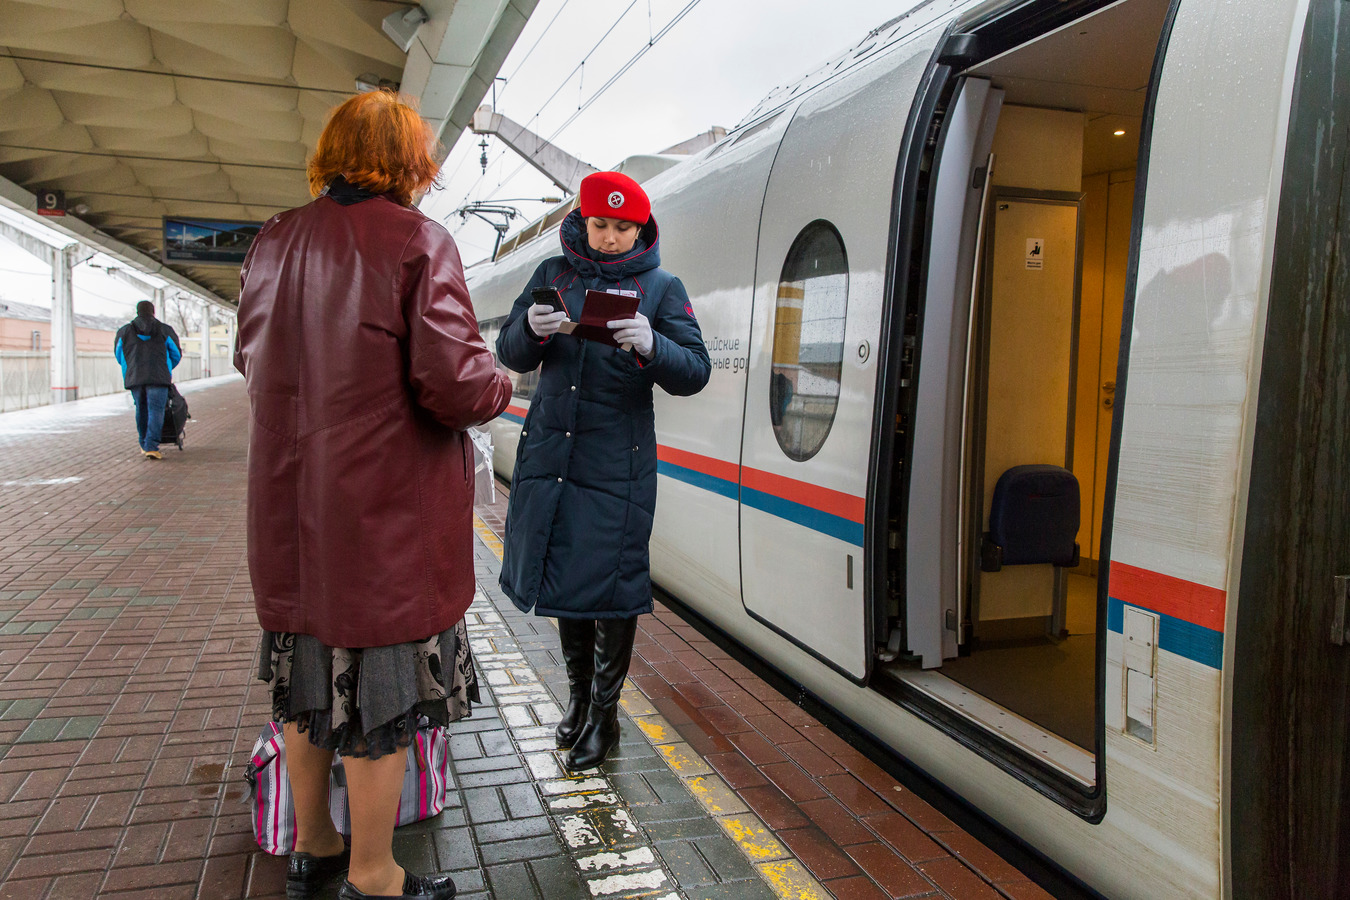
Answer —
(760, 527)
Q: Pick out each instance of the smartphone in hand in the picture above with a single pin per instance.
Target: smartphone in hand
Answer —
(548, 296)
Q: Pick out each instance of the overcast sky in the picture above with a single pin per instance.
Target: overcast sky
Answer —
(711, 68)
(26, 279)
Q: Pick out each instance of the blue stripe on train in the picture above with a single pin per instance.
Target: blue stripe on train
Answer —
(512, 417)
(1195, 642)
(698, 479)
(815, 519)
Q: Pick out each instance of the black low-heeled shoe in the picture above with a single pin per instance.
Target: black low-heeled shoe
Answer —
(306, 874)
(415, 887)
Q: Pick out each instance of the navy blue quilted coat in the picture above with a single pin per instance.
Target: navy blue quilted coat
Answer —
(584, 490)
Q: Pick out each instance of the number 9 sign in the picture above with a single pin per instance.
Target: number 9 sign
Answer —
(51, 203)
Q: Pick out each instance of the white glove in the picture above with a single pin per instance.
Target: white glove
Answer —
(543, 320)
(636, 331)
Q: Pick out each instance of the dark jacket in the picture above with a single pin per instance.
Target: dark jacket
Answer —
(364, 364)
(148, 350)
(584, 490)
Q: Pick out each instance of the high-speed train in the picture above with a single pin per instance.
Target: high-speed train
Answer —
(1024, 448)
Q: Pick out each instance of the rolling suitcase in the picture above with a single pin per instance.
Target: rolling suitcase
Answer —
(175, 418)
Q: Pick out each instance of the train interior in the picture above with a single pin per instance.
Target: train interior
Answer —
(1050, 266)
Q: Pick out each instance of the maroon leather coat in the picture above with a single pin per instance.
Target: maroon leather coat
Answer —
(364, 364)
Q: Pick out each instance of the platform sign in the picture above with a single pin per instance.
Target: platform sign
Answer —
(222, 241)
(51, 203)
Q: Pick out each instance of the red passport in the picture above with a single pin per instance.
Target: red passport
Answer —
(601, 307)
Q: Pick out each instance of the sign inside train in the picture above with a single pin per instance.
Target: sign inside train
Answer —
(207, 240)
(1035, 253)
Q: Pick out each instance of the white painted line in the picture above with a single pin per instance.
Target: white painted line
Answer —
(548, 713)
(533, 733)
(543, 766)
(642, 856)
(578, 833)
(618, 819)
(40, 482)
(536, 745)
(582, 786)
(622, 884)
(581, 801)
(517, 716)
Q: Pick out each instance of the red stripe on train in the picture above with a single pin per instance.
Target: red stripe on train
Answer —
(717, 468)
(837, 503)
(1176, 597)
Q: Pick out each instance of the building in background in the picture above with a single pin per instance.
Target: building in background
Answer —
(27, 327)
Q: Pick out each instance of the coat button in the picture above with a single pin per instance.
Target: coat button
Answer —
(574, 387)
(559, 481)
(569, 434)
(524, 433)
(635, 446)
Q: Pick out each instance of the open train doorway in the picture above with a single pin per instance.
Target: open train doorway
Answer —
(994, 622)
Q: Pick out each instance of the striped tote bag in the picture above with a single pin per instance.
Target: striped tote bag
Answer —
(426, 784)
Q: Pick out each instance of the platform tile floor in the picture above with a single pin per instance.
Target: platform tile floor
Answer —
(127, 710)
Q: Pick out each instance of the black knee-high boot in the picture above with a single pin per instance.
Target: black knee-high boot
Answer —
(578, 648)
(613, 651)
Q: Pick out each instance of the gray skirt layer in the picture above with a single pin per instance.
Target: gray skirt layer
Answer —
(368, 702)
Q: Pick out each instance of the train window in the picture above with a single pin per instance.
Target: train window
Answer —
(808, 340)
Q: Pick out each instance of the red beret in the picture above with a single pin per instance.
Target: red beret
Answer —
(613, 195)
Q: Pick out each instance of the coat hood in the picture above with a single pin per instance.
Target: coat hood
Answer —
(144, 324)
(640, 259)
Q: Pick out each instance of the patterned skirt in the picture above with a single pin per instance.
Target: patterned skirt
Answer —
(368, 702)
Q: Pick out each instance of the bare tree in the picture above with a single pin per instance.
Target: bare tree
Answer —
(180, 314)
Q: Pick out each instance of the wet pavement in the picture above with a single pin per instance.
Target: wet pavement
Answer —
(128, 710)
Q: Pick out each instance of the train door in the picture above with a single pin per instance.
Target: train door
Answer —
(996, 628)
(820, 277)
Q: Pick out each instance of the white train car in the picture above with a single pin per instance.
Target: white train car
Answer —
(944, 256)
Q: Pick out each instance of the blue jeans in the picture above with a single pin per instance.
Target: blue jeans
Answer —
(150, 402)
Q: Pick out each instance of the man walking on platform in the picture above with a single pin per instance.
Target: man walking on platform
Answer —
(148, 350)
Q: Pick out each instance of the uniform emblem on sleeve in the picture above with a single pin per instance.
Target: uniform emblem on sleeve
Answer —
(689, 309)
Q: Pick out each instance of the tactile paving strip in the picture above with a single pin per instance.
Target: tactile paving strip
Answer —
(584, 802)
(586, 812)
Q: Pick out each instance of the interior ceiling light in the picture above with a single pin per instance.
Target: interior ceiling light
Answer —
(401, 27)
(1120, 132)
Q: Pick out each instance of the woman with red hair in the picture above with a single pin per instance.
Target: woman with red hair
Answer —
(364, 366)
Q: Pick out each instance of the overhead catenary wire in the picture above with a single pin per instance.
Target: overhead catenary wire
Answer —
(607, 85)
(561, 84)
(528, 53)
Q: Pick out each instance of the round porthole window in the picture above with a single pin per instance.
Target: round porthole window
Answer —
(808, 340)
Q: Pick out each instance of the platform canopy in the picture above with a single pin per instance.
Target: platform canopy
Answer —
(209, 109)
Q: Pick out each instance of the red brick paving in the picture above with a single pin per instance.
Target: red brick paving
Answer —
(853, 826)
(127, 637)
(137, 577)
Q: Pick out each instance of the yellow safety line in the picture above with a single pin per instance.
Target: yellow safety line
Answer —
(488, 537)
(775, 863)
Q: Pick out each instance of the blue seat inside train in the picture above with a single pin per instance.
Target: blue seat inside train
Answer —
(1033, 519)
